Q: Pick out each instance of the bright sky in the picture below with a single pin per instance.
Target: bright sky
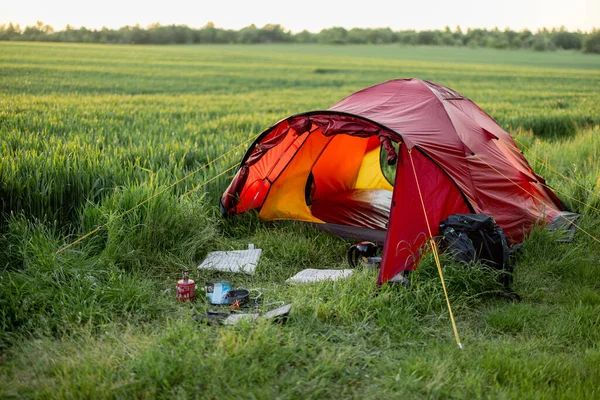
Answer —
(312, 15)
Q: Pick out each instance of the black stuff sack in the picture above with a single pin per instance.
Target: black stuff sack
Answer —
(476, 237)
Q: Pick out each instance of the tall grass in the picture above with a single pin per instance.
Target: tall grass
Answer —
(89, 132)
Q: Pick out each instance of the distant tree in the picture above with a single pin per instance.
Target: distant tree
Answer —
(170, 34)
(540, 42)
(407, 37)
(226, 36)
(566, 40)
(512, 38)
(335, 35)
(495, 42)
(448, 38)
(69, 34)
(305, 37)
(38, 32)
(207, 34)
(428, 37)
(458, 35)
(10, 32)
(139, 35)
(274, 33)
(357, 36)
(381, 36)
(476, 37)
(108, 36)
(524, 35)
(249, 34)
(591, 44)
(183, 34)
(157, 34)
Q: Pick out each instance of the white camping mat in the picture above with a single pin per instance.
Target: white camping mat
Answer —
(232, 261)
(318, 275)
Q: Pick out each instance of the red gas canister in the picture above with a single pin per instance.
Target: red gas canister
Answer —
(186, 288)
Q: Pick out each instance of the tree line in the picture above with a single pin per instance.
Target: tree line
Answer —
(541, 40)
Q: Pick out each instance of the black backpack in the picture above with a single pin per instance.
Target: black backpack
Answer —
(473, 237)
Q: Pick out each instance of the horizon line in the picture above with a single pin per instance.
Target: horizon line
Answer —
(157, 23)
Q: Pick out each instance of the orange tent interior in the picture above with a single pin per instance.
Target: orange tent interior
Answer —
(318, 178)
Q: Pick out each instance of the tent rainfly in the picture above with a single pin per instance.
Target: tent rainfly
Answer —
(323, 167)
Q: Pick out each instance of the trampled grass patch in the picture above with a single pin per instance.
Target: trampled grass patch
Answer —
(89, 131)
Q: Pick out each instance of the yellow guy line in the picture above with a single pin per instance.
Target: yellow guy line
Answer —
(553, 169)
(537, 198)
(436, 255)
(90, 233)
(208, 181)
(570, 197)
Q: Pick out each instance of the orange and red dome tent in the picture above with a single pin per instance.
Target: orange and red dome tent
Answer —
(324, 167)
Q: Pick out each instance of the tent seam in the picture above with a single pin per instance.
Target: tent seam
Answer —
(461, 141)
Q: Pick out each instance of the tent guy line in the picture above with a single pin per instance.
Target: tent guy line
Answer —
(208, 181)
(571, 197)
(555, 170)
(436, 255)
(566, 178)
(99, 227)
(538, 199)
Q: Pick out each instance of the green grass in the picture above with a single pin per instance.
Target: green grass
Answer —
(89, 131)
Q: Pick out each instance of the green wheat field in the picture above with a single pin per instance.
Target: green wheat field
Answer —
(89, 131)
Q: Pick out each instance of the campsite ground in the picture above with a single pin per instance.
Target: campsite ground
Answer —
(89, 131)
